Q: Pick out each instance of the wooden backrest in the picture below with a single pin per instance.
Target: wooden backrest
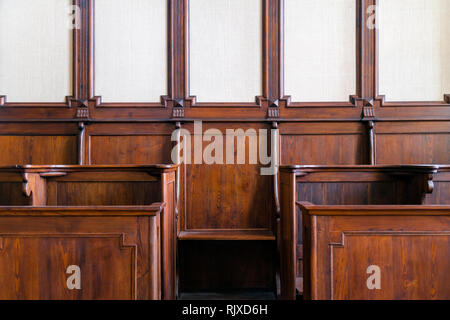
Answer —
(441, 187)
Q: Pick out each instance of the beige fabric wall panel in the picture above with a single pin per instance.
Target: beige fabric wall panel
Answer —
(414, 49)
(36, 55)
(320, 46)
(226, 50)
(131, 50)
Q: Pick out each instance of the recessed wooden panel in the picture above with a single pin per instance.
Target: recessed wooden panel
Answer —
(226, 265)
(107, 269)
(118, 253)
(414, 51)
(411, 266)
(228, 197)
(38, 150)
(104, 193)
(142, 149)
(225, 50)
(131, 50)
(36, 50)
(322, 143)
(413, 143)
(320, 59)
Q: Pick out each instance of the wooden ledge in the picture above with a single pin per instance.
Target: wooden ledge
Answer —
(101, 211)
(264, 235)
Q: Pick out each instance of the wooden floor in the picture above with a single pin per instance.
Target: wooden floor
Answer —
(252, 295)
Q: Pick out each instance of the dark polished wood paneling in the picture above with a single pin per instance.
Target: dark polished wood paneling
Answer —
(117, 251)
(340, 185)
(104, 186)
(213, 198)
(213, 204)
(409, 245)
(441, 192)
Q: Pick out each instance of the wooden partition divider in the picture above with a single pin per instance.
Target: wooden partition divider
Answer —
(387, 252)
(340, 185)
(101, 185)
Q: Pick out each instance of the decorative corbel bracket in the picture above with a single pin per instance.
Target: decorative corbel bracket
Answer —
(178, 108)
(273, 108)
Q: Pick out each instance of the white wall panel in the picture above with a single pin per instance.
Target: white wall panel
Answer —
(226, 50)
(36, 50)
(320, 46)
(414, 49)
(131, 50)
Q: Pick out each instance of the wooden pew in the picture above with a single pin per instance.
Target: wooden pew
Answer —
(76, 253)
(376, 252)
(339, 185)
(101, 185)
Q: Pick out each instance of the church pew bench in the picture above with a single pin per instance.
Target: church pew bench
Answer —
(339, 185)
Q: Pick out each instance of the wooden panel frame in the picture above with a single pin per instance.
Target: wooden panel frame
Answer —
(124, 227)
(337, 222)
(272, 105)
(422, 184)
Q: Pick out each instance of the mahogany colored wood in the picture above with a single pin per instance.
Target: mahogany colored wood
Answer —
(409, 245)
(441, 182)
(222, 202)
(116, 248)
(340, 185)
(102, 185)
(221, 266)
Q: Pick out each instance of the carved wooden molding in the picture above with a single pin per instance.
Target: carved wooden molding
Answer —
(273, 113)
(82, 113)
(447, 98)
(178, 112)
